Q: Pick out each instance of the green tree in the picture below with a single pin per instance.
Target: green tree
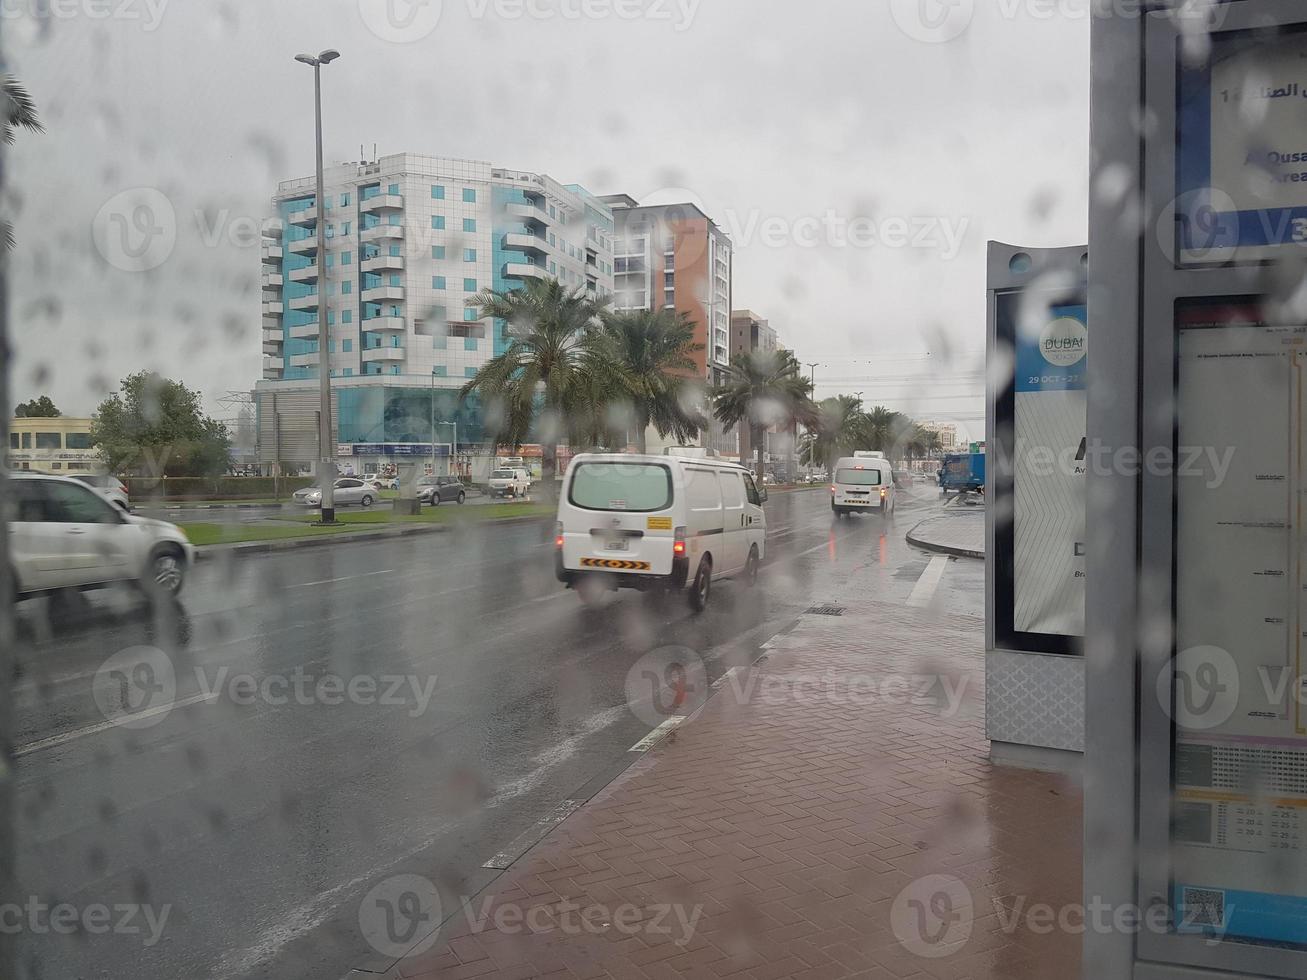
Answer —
(655, 355)
(841, 430)
(154, 426)
(885, 429)
(37, 408)
(19, 113)
(553, 379)
(764, 389)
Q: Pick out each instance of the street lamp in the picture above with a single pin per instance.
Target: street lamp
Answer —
(327, 454)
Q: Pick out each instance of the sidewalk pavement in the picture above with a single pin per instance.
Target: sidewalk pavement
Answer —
(959, 531)
(817, 818)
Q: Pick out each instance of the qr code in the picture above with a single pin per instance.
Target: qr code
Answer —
(1204, 907)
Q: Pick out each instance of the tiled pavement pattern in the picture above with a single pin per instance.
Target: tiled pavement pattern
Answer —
(794, 818)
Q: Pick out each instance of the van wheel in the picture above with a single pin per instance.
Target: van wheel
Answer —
(701, 587)
(751, 568)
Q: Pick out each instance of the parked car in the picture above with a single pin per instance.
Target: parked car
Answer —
(435, 490)
(509, 483)
(346, 491)
(64, 535)
(108, 486)
(658, 523)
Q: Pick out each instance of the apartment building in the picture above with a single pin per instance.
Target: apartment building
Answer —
(673, 256)
(751, 332)
(410, 241)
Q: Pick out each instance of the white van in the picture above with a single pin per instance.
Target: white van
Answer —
(861, 482)
(658, 523)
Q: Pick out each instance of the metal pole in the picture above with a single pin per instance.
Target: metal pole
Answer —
(327, 464)
(433, 424)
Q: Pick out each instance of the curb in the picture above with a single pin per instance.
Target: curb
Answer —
(942, 549)
(209, 552)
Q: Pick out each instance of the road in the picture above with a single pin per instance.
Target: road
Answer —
(255, 813)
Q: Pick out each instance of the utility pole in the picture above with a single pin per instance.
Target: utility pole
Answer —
(327, 451)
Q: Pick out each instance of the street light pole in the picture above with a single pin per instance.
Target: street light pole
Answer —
(326, 451)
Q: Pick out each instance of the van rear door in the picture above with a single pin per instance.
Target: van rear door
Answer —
(618, 517)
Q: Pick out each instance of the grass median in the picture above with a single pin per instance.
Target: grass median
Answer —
(294, 526)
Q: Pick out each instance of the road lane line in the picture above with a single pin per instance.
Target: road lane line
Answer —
(52, 741)
(925, 588)
(655, 736)
(343, 578)
(729, 674)
(532, 835)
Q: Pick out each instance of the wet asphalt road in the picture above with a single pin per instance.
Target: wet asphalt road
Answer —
(257, 803)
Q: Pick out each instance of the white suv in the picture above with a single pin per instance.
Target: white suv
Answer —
(64, 535)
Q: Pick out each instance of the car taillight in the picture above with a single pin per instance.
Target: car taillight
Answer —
(884, 491)
(558, 535)
(834, 489)
(678, 541)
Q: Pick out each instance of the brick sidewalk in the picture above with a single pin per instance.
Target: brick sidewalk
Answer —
(819, 821)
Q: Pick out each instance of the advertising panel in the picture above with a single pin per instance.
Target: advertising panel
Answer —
(1236, 692)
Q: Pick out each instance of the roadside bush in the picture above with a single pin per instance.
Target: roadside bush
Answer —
(213, 488)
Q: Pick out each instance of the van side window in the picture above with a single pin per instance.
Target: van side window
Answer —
(701, 490)
(751, 491)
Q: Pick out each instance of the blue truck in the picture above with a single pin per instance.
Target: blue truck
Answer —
(962, 473)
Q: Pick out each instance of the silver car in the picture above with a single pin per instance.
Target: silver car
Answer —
(437, 489)
(346, 491)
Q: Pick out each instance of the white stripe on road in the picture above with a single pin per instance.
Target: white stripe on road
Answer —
(343, 578)
(163, 709)
(925, 588)
(728, 675)
(657, 734)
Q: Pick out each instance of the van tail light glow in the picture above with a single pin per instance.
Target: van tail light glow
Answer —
(678, 541)
(558, 535)
(834, 489)
(884, 491)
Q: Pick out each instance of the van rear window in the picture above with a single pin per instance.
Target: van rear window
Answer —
(857, 478)
(621, 486)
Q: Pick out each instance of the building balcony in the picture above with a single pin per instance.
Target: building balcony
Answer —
(392, 355)
(529, 212)
(526, 243)
(270, 254)
(271, 363)
(272, 308)
(383, 263)
(272, 334)
(307, 274)
(305, 331)
(272, 280)
(305, 219)
(383, 294)
(304, 246)
(522, 270)
(309, 302)
(383, 202)
(379, 233)
(304, 360)
(271, 322)
(383, 324)
(272, 349)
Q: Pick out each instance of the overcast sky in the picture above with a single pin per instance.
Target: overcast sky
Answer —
(858, 156)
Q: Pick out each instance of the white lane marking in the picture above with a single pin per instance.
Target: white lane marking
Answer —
(768, 645)
(657, 734)
(343, 578)
(727, 676)
(925, 588)
(532, 835)
(52, 741)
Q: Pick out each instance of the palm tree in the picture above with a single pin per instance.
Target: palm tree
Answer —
(19, 112)
(553, 373)
(841, 429)
(655, 354)
(763, 389)
(884, 428)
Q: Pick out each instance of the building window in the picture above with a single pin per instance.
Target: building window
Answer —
(469, 195)
(346, 346)
(469, 372)
(394, 220)
(13, 440)
(437, 192)
(439, 371)
(331, 347)
(27, 440)
(344, 200)
(469, 314)
(469, 285)
(48, 440)
(349, 372)
(469, 343)
(553, 239)
(438, 222)
(347, 316)
(469, 224)
(395, 251)
(344, 228)
(331, 259)
(437, 251)
(331, 318)
(77, 440)
(392, 189)
(346, 258)
(437, 282)
(469, 255)
(396, 279)
(346, 286)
